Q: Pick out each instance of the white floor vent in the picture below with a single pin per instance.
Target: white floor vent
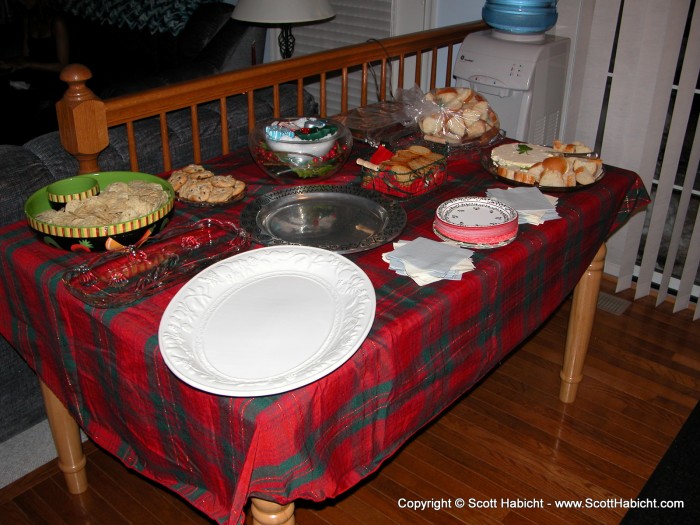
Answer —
(611, 304)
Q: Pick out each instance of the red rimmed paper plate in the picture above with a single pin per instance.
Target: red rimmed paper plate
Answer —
(476, 222)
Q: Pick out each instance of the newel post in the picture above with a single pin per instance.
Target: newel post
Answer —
(82, 120)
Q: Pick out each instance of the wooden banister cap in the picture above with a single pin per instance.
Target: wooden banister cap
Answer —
(73, 73)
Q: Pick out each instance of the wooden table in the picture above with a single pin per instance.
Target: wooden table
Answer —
(101, 370)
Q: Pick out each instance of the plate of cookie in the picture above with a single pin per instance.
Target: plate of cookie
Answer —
(197, 186)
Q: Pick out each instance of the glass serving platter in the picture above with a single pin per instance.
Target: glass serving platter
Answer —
(121, 278)
(342, 219)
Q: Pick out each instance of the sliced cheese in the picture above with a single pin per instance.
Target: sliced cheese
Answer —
(519, 155)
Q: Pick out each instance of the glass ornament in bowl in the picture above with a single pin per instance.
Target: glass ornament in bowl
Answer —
(300, 150)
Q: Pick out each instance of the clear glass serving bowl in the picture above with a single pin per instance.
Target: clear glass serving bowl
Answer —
(307, 157)
(425, 177)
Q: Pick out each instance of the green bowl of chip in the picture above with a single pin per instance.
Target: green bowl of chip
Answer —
(129, 208)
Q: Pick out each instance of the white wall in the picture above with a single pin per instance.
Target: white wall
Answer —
(416, 15)
(449, 12)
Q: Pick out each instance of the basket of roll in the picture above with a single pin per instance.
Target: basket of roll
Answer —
(406, 172)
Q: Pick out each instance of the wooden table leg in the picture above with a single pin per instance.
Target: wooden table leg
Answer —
(580, 326)
(66, 438)
(270, 513)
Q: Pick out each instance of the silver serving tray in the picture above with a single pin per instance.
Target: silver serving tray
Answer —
(343, 219)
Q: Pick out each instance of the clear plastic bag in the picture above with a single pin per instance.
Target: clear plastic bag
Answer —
(381, 123)
(451, 115)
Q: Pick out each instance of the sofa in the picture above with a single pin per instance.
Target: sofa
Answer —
(42, 160)
(125, 60)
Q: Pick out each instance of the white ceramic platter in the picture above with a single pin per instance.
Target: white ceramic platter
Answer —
(267, 321)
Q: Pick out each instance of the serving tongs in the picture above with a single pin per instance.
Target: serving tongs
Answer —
(592, 155)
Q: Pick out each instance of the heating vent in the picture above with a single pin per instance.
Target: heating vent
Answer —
(611, 304)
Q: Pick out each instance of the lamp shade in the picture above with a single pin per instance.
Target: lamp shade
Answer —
(282, 12)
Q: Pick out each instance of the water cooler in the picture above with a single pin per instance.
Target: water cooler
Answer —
(523, 76)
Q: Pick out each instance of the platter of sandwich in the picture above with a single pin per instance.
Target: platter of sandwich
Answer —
(560, 167)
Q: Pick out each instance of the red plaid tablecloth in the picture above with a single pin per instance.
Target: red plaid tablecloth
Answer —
(427, 347)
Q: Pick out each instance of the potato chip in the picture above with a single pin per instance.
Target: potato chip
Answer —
(118, 202)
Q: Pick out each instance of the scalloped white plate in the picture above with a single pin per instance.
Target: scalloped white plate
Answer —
(267, 321)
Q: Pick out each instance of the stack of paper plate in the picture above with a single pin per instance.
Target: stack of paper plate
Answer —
(476, 222)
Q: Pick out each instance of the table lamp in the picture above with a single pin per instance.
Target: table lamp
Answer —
(283, 14)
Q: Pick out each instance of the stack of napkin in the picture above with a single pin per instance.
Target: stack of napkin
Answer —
(426, 261)
(533, 206)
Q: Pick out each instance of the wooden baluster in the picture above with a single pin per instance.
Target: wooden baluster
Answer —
(448, 72)
(301, 110)
(401, 71)
(277, 101)
(250, 97)
(344, 90)
(322, 103)
(82, 119)
(363, 84)
(433, 68)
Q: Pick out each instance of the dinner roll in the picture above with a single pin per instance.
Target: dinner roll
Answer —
(556, 164)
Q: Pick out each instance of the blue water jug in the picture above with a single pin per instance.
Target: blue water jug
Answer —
(520, 16)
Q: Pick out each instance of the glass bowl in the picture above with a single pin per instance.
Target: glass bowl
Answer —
(407, 172)
(300, 150)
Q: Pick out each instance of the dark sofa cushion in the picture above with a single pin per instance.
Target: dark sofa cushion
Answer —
(235, 46)
(21, 405)
(53, 156)
(22, 174)
(205, 22)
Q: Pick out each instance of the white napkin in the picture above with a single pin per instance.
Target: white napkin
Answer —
(426, 261)
(533, 206)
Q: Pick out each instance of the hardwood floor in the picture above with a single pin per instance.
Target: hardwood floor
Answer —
(509, 438)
